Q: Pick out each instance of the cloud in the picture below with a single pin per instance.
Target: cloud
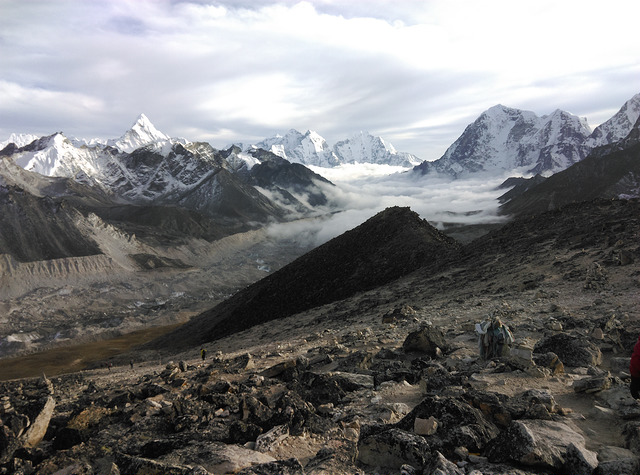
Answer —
(414, 72)
(362, 191)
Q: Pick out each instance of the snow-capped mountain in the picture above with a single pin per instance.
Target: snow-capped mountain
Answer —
(141, 133)
(163, 171)
(619, 126)
(311, 149)
(20, 140)
(504, 139)
(308, 148)
(367, 148)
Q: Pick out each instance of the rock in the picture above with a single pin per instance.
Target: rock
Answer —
(268, 441)
(537, 443)
(550, 361)
(571, 350)
(278, 369)
(399, 313)
(66, 438)
(182, 365)
(538, 396)
(579, 461)
(339, 459)
(281, 467)
(493, 406)
(80, 468)
(554, 325)
(141, 465)
(392, 448)
(459, 423)
(592, 384)
(425, 426)
(38, 428)
(618, 461)
(228, 459)
(241, 432)
(352, 381)
(426, 340)
(439, 465)
(254, 411)
(243, 362)
(631, 431)
(106, 467)
(522, 355)
(619, 364)
(597, 333)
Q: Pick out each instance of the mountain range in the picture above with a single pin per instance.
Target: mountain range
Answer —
(506, 139)
(311, 149)
(501, 139)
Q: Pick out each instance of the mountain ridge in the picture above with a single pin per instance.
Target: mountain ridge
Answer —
(387, 246)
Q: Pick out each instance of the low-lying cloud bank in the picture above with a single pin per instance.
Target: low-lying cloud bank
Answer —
(363, 190)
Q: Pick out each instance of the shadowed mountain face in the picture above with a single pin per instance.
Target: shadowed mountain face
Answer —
(33, 228)
(598, 176)
(393, 243)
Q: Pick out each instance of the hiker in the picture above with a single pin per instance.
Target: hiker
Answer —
(634, 370)
(131, 363)
(203, 353)
(494, 338)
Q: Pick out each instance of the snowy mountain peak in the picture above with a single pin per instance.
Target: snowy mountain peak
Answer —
(505, 139)
(20, 140)
(311, 148)
(141, 133)
(619, 126)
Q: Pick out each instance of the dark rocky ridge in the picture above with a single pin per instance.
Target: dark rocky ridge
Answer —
(594, 177)
(391, 244)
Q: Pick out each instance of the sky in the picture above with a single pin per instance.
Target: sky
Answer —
(414, 72)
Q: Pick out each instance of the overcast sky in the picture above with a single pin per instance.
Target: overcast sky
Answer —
(414, 72)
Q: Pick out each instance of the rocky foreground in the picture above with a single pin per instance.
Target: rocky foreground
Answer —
(388, 381)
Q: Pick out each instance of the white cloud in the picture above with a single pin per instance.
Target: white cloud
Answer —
(414, 72)
(364, 190)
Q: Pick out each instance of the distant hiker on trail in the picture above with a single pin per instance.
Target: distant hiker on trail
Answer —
(494, 338)
(634, 370)
(203, 353)
(131, 363)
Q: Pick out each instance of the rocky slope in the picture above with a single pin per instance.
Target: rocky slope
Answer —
(387, 246)
(385, 381)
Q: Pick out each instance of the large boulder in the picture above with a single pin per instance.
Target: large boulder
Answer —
(426, 340)
(392, 448)
(458, 424)
(617, 460)
(571, 350)
(579, 460)
(537, 443)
